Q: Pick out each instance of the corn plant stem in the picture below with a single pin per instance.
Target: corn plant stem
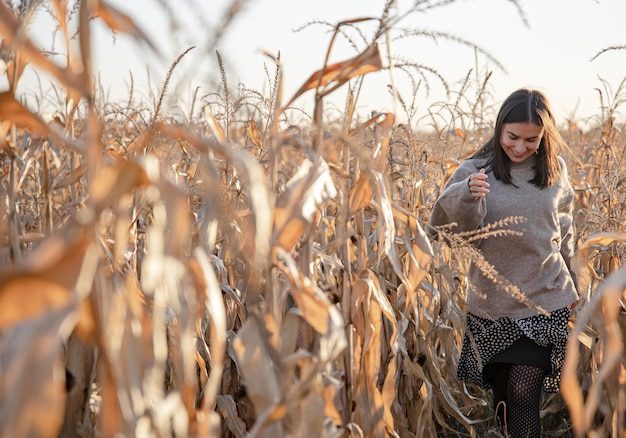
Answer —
(342, 237)
(13, 218)
(46, 188)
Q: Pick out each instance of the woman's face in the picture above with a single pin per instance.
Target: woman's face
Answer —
(520, 140)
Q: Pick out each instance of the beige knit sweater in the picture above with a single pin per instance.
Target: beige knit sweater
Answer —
(537, 261)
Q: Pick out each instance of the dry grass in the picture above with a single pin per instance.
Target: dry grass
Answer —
(220, 272)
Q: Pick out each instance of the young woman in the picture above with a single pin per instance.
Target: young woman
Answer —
(514, 348)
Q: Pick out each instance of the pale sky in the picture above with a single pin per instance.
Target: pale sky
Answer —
(553, 54)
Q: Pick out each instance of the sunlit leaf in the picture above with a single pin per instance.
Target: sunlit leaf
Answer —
(214, 304)
(291, 228)
(216, 128)
(335, 75)
(25, 297)
(602, 239)
(361, 194)
(13, 111)
(71, 178)
(45, 283)
(117, 21)
(305, 193)
(581, 262)
(253, 133)
(418, 245)
(15, 68)
(114, 180)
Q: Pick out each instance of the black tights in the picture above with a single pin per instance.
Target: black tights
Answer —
(517, 398)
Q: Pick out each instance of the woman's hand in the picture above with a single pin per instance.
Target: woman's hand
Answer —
(478, 185)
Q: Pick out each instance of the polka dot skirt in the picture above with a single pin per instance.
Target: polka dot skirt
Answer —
(484, 338)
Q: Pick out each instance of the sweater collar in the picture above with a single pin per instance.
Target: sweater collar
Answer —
(528, 163)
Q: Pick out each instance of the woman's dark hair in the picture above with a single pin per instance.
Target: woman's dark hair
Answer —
(523, 106)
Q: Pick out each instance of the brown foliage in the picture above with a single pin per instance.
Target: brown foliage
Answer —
(202, 278)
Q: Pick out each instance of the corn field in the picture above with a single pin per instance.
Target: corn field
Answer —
(218, 270)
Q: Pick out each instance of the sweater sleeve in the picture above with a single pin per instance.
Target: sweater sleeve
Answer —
(566, 222)
(456, 204)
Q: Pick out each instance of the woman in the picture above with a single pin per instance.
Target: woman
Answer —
(513, 347)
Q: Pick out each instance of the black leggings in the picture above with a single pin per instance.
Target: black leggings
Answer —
(517, 398)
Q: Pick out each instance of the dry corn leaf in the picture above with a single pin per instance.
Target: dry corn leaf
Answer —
(386, 225)
(389, 333)
(604, 309)
(214, 304)
(311, 302)
(338, 74)
(450, 168)
(389, 394)
(258, 372)
(71, 178)
(178, 217)
(138, 144)
(15, 68)
(369, 409)
(266, 425)
(331, 392)
(23, 238)
(581, 262)
(369, 122)
(289, 333)
(314, 305)
(33, 378)
(80, 362)
(333, 343)
(45, 281)
(10, 28)
(86, 10)
(423, 398)
(254, 176)
(59, 12)
(332, 150)
(253, 133)
(418, 246)
(384, 126)
(311, 413)
(290, 228)
(117, 21)
(27, 296)
(228, 410)
(110, 407)
(603, 239)
(114, 180)
(366, 315)
(305, 193)
(13, 111)
(216, 128)
(361, 193)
